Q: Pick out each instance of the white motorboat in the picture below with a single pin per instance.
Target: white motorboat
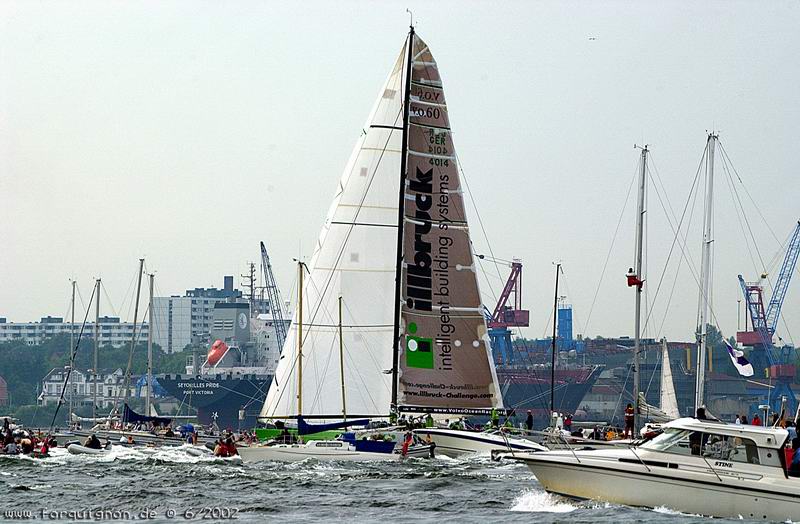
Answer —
(457, 442)
(327, 450)
(695, 466)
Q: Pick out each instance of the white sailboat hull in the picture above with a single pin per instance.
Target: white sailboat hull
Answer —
(312, 450)
(456, 443)
(688, 492)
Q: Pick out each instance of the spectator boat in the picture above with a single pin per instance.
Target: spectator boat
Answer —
(695, 466)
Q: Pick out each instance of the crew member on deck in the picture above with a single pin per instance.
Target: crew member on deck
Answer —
(529, 421)
(629, 418)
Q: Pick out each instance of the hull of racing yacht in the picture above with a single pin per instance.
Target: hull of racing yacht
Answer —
(324, 450)
(297, 453)
(633, 485)
(456, 443)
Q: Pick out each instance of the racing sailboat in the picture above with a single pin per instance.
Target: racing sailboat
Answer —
(396, 245)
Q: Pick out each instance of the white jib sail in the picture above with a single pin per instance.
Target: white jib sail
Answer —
(669, 401)
(355, 257)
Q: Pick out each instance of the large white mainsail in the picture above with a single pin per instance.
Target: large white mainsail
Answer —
(445, 361)
(355, 257)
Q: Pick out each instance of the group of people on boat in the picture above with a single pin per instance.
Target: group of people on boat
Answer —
(16, 441)
(225, 447)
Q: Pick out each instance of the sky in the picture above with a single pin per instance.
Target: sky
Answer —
(185, 132)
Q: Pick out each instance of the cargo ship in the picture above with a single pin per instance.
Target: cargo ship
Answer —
(528, 388)
(226, 387)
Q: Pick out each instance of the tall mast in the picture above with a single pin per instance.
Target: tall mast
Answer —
(71, 346)
(640, 211)
(398, 276)
(553, 350)
(149, 393)
(300, 339)
(96, 348)
(705, 271)
(133, 335)
(341, 361)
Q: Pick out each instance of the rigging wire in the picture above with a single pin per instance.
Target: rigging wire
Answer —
(610, 250)
(676, 237)
(747, 192)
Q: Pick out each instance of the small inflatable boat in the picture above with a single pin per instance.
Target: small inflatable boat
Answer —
(78, 449)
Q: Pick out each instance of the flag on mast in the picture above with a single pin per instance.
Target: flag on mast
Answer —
(743, 366)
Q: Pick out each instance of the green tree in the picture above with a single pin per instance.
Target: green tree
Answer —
(24, 366)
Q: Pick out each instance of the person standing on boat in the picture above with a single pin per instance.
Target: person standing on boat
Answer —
(756, 420)
(407, 443)
(529, 421)
(629, 418)
(428, 421)
(568, 422)
(737, 420)
(431, 445)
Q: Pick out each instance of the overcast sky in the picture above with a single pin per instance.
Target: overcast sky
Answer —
(186, 132)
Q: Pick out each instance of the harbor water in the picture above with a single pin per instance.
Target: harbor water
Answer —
(168, 485)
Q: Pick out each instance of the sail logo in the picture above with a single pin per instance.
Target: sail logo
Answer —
(418, 273)
(419, 350)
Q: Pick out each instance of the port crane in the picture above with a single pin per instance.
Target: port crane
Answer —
(764, 321)
(507, 313)
(274, 297)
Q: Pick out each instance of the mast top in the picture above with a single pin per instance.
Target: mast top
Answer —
(411, 21)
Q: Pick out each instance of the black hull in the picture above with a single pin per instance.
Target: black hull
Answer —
(525, 390)
(219, 397)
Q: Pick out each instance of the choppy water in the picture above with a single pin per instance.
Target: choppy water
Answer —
(169, 481)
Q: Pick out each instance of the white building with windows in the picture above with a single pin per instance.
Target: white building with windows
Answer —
(177, 322)
(80, 389)
(112, 331)
(183, 320)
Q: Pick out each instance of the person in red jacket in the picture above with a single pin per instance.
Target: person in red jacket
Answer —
(756, 420)
(629, 418)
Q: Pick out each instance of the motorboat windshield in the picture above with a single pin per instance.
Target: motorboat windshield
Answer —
(711, 445)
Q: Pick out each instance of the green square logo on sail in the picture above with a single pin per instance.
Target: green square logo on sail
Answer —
(419, 350)
(419, 353)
